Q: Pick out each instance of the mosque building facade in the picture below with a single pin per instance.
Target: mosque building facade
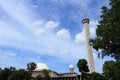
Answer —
(71, 75)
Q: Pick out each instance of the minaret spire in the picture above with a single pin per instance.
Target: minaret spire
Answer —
(84, 13)
(86, 21)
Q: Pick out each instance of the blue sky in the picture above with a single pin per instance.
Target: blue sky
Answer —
(47, 31)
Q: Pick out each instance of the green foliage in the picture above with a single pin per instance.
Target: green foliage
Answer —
(46, 75)
(83, 68)
(13, 74)
(31, 66)
(39, 77)
(4, 74)
(20, 75)
(108, 31)
(111, 70)
(95, 76)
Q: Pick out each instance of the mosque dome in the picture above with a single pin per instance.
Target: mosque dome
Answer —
(41, 66)
(71, 66)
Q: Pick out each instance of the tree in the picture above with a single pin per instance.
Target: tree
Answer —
(20, 74)
(96, 76)
(12, 74)
(12, 69)
(1, 74)
(31, 66)
(108, 35)
(46, 75)
(111, 70)
(6, 73)
(83, 68)
(39, 77)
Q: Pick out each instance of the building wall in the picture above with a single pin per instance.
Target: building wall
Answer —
(56, 76)
(51, 73)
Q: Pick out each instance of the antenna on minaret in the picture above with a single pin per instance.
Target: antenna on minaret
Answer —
(85, 14)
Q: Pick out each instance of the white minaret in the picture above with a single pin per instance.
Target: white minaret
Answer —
(86, 21)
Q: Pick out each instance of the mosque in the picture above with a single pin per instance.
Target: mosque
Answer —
(71, 75)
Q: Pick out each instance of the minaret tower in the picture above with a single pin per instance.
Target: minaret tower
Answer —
(85, 22)
(71, 69)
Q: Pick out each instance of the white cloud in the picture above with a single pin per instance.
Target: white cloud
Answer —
(41, 28)
(50, 49)
(80, 37)
(51, 25)
(5, 54)
(65, 52)
(7, 31)
(0, 50)
(80, 3)
(12, 54)
(83, 4)
(17, 10)
(63, 34)
(93, 25)
(95, 55)
(38, 23)
(3, 57)
(40, 31)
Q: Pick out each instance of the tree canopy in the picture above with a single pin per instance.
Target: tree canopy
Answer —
(95, 76)
(31, 66)
(12, 74)
(46, 75)
(108, 31)
(111, 70)
(83, 68)
(20, 75)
